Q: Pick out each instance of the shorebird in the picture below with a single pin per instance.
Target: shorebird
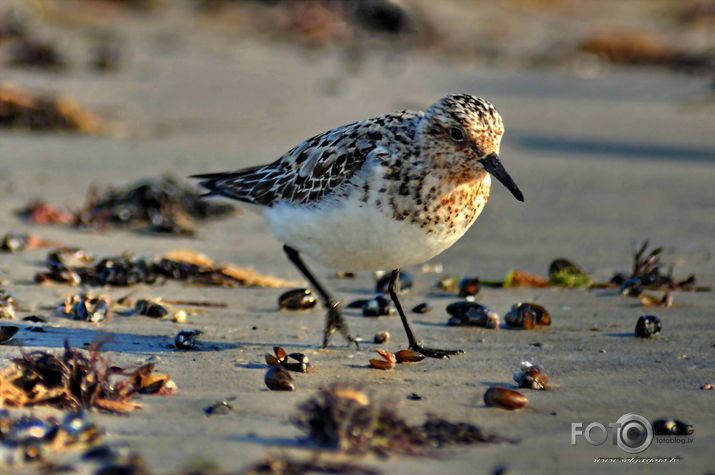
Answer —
(382, 193)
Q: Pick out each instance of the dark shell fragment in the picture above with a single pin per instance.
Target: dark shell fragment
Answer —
(527, 315)
(379, 306)
(219, 408)
(671, 427)
(423, 307)
(469, 286)
(531, 376)
(648, 325)
(13, 242)
(186, 339)
(7, 332)
(91, 309)
(278, 379)
(465, 313)
(150, 309)
(404, 283)
(297, 299)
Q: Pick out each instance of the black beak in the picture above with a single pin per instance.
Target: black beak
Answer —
(492, 164)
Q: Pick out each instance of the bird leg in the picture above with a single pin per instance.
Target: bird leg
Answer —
(334, 320)
(414, 344)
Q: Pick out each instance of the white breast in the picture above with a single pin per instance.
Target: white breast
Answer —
(351, 235)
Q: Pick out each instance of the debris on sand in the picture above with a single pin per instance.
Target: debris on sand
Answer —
(78, 380)
(20, 109)
(283, 465)
(64, 266)
(17, 242)
(527, 315)
(343, 418)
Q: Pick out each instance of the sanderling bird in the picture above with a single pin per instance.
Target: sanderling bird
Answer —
(382, 193)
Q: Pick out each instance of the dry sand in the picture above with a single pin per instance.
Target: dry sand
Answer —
(603, 162)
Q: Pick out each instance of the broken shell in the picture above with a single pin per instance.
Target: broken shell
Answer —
(382, 364)
(150, 309)
(531, 376)
(186, 339)
(408, 356)
(91, 309)
(297, 299)
(505, 398)
(387, 355)
(381, 337)
(632, 287)
(707, 387)
(378, 306)
(7, 332)
(296, 362)
(271, 360)
(469, 286)
(671, 427)
(648, 325)
(404, 283)
(648, 300)
(471, 314)
(527, 315)
(278, 379)
(280, 353)
(14, 242)
(423, 307)
(219, 408)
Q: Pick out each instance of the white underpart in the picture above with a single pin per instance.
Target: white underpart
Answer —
(352, 235)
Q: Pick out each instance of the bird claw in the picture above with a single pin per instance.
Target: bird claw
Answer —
(433, 352)
(334, 320)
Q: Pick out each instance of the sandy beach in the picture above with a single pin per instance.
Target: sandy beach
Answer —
(605, 162)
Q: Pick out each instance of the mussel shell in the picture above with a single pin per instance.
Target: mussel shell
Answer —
(186, 339)
(671, 427)
(648, 325)
(278, 379)
(527, 315)
(465, 313)
(14, 242)
(383, 283)
(150, 309)
(423, 307)
(297, 299)
(505, 398)
(379, 306)
(469, 286)
(7, 332)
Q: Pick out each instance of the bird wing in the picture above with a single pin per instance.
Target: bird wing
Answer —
(316, 167)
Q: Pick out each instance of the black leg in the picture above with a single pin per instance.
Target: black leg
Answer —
(414, 344)
(334, 320)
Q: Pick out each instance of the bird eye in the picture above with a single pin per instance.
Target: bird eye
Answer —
(456, 134)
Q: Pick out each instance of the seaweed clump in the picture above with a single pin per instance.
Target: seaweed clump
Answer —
(343, 418)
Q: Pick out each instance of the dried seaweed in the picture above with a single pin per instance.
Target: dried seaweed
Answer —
(23, 110)
(188, 266)
(77, 380)
(343, 418)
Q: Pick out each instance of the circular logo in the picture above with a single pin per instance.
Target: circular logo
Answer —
(634, 433)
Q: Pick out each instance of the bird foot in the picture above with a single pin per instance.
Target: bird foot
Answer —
(335, 320)
(433, 352)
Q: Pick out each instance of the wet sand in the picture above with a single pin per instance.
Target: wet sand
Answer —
(603, 163)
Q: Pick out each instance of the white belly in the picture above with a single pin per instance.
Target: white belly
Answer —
(353, 236)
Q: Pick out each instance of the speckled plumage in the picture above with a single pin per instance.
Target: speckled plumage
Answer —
(381, 193)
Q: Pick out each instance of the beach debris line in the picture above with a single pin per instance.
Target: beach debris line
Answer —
(342, 417)
(76, 267)
(297, 299)
(531, 376)
(528, 316)
(20, 109)
(78, 379)
(648, 325)
(505, 398)
(465, 313)
(157, 205)
(285, 464)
